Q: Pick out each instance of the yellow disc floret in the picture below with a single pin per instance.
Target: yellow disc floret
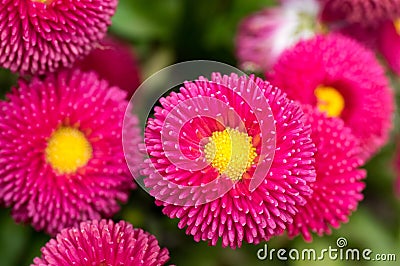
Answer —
(231, 152)
(396, 24)
(42, 1)
(329, 101)
(67, 150)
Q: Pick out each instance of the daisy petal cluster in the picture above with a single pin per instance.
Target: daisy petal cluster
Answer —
(229, 148)
(235, 159)
(61, 153)
(103, 243)
(329, 72)
(338, 185)
(345, 92)
(263, 36)
(41, 36)
(361, 12)
(376, 23)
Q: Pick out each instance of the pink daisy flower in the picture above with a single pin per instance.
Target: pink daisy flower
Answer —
(338, 186)
(362, 12)
(330, 72)
(103, 243)
(264, 35)
(40, 36)
(115, 62)
(61, 156)
(359, 19)
(389, 43)
(215, 132)
(375, 23)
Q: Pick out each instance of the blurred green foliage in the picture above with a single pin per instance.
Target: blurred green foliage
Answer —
(164, 32)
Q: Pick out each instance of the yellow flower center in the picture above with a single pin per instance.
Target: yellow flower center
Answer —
(396, 24)
(230, 152)
(67, 150)
(322, 28)
(329, 101)
(46, 2)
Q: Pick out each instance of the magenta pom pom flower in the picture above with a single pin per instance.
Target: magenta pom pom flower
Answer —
(330, 72)
(40, 36)
(360, 19)
(214, 132)
(362, 12)
(263, 36)
(115, 62)
(61, 155)
(103, 243)
(389, 43)
(338, 186)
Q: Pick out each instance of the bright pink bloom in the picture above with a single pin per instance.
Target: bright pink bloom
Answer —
(359, 19)
(375, 23)
(61, 156)
(389, 44)
(103, 243)
(264, 35)
(338, 186)
(40, 36)
(194, 117)
(330, 72)
(115, 62)
(361, 12)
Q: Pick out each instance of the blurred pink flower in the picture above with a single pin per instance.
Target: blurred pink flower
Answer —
(61, 156)
(115, 62)
(389, 44)
(40, 36)
(103, 243)
(231, 150)
(375, 23)
(264, 35)
(362, 12)
(338, 186)
(344, 79)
